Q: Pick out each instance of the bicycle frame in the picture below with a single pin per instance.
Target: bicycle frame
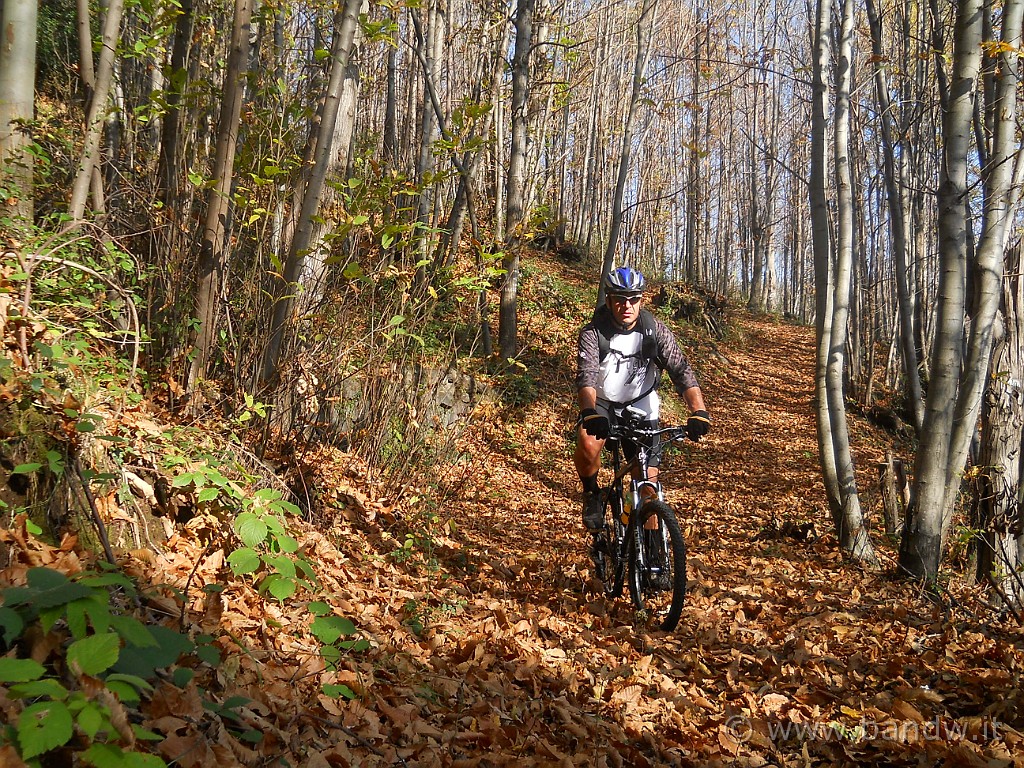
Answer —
(637, 468)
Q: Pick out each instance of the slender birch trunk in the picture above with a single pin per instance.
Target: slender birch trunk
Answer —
(346, 23)
(213, 252)
(849, 521)
(821, 239)
(644, 35)
(96, 117)
(921, 545)
(17, 101)
(516, 180)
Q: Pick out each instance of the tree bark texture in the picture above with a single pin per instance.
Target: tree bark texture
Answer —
(17, 101)
(97, 110)
(921, 545)
(515, 186)
(345, 27)
(644, 32)
(213, 252)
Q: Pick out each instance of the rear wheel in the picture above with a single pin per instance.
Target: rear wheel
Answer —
(657, 578)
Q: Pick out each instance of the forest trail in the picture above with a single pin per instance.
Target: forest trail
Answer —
(786, 654)
(483, 643)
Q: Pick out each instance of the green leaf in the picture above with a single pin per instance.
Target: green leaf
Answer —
(133, 631)
(11, 624)
(339, 691)
(95, 654)
(234, 702)
(244, 561)
(43, 726)
(251, 529)
(143, 662)
(319, 608)
(283, 565)
(133, 680)
(209, 494)
(396, 320)
(287, 544)
(287, 507)
(108, 580)
(210, 654)
(20, 670)
(146, 735)
(112, 756)
(45, 578)
(352, 271)
(182, 676)
(76, 615)
(331, 656)
(328, 629)
(280, 587)
(36, 689)
(125, 693)
(56, 462)
(26, 469)
(182, 480)
(355, 645)
(90, 720)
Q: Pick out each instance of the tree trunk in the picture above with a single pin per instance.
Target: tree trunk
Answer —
(898, 216)
(429, 41)
(213, 253)
(850, 529)
(820, 236)
(922, 541)
(644, 33)
(168, 167)
(313, 275)
(346, 23)
(17, 101)
(95, 119)
(515, 195)
(998, 492)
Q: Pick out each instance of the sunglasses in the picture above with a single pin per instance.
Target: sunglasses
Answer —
(624, 300)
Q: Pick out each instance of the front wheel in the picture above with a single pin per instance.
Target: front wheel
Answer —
(657, 559)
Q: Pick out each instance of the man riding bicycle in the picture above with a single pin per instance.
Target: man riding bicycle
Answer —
(622, 352)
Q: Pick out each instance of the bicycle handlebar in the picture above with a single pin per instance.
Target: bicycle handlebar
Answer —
(632, 432)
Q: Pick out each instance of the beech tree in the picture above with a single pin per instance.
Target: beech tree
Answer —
(214, 250)
(325, 145)
(953, 403)
(17, 101)
(644, 32)
(833, 264)
(515, 188)
(96, 113)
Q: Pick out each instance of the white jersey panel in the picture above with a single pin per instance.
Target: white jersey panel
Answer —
(625, 375)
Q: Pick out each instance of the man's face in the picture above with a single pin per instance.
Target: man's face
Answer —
(626, 309)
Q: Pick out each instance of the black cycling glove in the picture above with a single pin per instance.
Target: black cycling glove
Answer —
(594, 423)
(698, 425)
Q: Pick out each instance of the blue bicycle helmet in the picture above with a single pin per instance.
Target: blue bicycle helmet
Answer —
(624, 281)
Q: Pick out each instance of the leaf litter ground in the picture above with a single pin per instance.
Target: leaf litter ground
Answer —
(489, 646)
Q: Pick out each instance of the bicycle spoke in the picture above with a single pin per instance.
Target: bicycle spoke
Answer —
(658, 567)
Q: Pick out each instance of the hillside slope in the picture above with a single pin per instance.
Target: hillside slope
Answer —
(486, 644)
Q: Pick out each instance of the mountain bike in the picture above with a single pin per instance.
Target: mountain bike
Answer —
(652, 561)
